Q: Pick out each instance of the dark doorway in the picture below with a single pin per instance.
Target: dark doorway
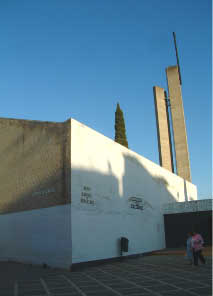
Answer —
(178, 225)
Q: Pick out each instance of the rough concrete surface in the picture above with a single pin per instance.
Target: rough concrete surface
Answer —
(178, 123)
(164, 142)
(33, 157)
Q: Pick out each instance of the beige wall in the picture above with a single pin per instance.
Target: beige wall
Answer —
(178, 123)
(34, 164)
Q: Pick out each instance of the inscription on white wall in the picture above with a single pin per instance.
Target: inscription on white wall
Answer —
(86, 196)
(136, 203)
(139, 203)
(94, 204)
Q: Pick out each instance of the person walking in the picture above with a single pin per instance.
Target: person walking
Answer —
(189, 253)
(197, 247)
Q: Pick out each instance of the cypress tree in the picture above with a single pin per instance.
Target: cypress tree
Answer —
(120, 130)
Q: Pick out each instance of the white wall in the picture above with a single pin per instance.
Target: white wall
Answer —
(111, 179)
(107, 175)
(37, 236)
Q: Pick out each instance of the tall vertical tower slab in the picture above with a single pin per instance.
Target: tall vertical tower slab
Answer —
(163, 132)
(178, 122)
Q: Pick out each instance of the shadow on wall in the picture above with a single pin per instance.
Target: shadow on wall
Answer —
(129, 195)
(41, 194)
(136, 180)
(93, 192)
(144, 177)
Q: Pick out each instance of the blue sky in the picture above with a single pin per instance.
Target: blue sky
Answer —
(62, 59)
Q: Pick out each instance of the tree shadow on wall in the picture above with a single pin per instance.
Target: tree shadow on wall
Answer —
(112, 196)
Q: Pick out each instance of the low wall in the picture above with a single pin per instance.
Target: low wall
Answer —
(37, 236)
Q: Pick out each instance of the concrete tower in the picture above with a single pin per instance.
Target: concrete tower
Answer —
(163, 129)
(178, 123)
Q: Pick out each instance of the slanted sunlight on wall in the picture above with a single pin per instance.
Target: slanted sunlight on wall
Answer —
(116, 192)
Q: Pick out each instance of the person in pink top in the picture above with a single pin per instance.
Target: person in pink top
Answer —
(197, 247)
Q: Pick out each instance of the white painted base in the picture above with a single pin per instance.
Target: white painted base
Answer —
(38, 236)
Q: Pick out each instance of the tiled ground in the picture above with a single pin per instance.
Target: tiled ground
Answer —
(152, 275)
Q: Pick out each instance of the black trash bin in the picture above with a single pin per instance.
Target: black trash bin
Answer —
(124, 244)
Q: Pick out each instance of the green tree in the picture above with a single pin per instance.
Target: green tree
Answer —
(120, 130)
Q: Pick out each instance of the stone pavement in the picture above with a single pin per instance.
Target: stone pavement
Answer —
(164, 275)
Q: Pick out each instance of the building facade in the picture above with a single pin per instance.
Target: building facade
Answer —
(68, 194)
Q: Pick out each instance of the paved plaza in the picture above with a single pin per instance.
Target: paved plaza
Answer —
(164, 275)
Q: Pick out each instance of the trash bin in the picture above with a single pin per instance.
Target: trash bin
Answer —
(124, 244)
